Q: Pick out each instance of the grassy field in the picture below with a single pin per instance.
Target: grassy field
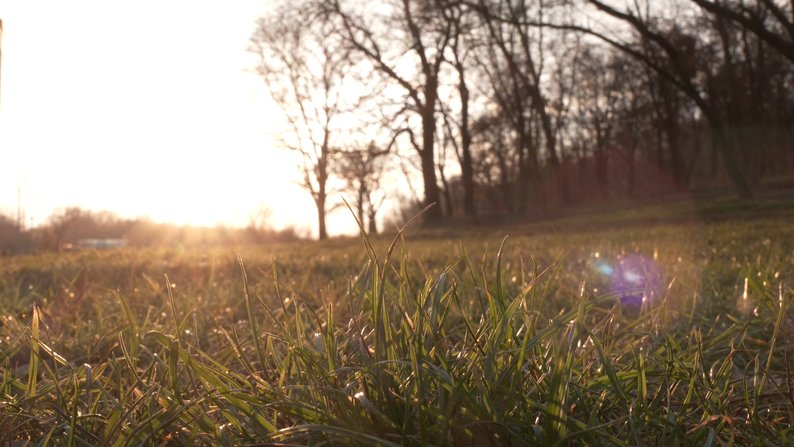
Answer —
(638, 328)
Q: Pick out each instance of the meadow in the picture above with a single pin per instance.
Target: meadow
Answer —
(664, 326)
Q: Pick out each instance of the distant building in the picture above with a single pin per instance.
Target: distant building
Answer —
(100, 244)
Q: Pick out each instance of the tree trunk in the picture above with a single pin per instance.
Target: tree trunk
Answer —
(466, 164)
(673, 146)
(434, 214)
(601, 161)
(504, 183)
(540, 191)
(466, 168)
(372, 228)
(320, 202)
(322, 179)
(731, 165)
(523, 182)
(449, 207)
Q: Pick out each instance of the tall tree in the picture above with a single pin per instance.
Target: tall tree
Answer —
(514, 74)
(405, 41)
(459, 48)
(597, 108)
(306, 69)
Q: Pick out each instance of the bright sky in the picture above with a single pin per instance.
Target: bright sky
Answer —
(143, 108)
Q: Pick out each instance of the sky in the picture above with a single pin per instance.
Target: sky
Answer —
(143, 108)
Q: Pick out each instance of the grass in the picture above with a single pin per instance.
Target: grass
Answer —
(476, 341)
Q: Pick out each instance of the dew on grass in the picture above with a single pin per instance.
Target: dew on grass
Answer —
(780, 293)
(744, 306)
(318, 341)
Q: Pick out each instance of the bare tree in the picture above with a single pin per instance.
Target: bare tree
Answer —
(362, 169)
(307, 71)
(494, 160)
(508, 62)
(459, 48)
(407, 46)
(597, 107)
(771, 20)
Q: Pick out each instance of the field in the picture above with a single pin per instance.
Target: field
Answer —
(664, 326)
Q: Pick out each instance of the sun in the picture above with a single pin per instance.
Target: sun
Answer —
(143, 108)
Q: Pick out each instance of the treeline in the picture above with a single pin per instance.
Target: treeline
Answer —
(524, 107)
(65, 228)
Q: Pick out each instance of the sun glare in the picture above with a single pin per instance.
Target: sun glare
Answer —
(142, 108)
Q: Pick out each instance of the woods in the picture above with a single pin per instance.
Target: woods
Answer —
(528, 107)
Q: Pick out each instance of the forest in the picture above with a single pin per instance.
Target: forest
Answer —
(528, 108)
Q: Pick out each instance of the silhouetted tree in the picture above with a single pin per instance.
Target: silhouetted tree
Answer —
(772, 21)
(362, 169)
(460, 47)
(405, 41)
(306, 69)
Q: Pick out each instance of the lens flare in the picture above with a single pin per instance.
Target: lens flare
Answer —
(635, 279)
(605, 268)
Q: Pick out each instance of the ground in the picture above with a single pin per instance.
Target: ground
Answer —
(669, 324)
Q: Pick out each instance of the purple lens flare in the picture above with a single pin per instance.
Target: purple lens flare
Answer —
(635, 279)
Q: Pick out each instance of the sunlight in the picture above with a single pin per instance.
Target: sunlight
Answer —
(140, 119)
